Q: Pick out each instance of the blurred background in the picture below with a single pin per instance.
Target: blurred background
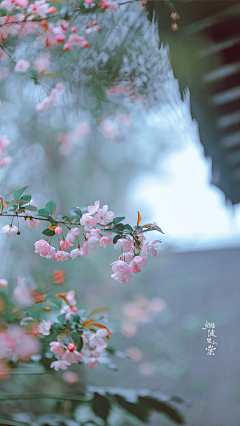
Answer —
(123, 132)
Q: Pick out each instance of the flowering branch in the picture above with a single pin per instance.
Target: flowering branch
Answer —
(94, 224)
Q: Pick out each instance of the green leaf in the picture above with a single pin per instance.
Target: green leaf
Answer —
(13, 202)
(43, 212)
(30, 208)
(32, 73)
(70, 218)
(119, 228)
(98, 310)
(116, 220)
(56, 300)
(75, 211)
(78, 340)
(14, 12)
(128, 227)
(3, 12)
(26, 198)
(61, 318)
(165, 408)
(116, 238)
(101, 406)
(76, 318)
(18, 193)
(51, 207)
(138, 410)
(48, 232)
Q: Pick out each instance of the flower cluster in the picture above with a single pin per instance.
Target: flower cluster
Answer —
(122, 270)
(4, 142)
(77, 341)
(93, 346)
(95, 226)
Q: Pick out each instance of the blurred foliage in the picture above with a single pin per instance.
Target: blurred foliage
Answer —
(101, 406)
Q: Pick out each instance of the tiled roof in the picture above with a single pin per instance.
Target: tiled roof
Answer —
(205, 56)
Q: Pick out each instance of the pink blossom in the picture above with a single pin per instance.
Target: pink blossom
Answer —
(136, 263)
(108, 129)
(129, 255)
(122, 267)
(51, 99)
(118, 276)
(22, 294)
(149, 248)
(3, 283)
(68, 311)
(61, 255)
(94, 209)
(87, 246)
(58, 230)
(4, 161)
(45, 104)
(42, 62)
(96, 340)
(62, 364)
(125, 243)
(92, 359)
(75, 39)
(33, 223)
(73, 233)
(65, 26)
(93, 30)
(76, 252)
(72, 356)
(22, 66)
(43, 248)
(67, 46)
(88, 221)
(4, 142)
(88, 1)
(93, 235)
(108, 4)
(44, 327)
(64, 244)
(40, 8)
(21, 344)
(9, 230)
(104, 241)
(103, 216)
(21, 3)
(70, 377)
(56, 348)
(71, 298)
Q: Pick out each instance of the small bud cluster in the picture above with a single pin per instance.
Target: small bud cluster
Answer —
(175, 16)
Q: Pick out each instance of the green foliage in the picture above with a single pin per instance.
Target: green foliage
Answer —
(43, 212)
(19, 192)
(75, 211)
(116, 220)
(116, 238)
(48, 232)
(50, 207)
